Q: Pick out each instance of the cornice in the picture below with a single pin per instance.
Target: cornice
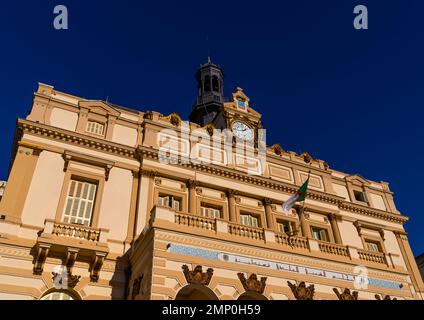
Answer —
(26, 126)
(280, 186)
(31, 127)
(355, 208)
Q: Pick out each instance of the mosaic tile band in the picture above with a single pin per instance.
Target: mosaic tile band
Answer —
(213, 255)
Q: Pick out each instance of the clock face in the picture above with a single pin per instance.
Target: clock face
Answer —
(242, 131)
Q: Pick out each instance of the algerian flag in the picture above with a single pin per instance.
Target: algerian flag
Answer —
(300, 195)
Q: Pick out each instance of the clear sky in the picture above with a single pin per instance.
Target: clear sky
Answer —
(353, 98)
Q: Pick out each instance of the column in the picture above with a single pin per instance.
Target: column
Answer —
(192, 203)
(268, 213)
(334, 226)
(304, 225)
(133, 206)
(232, 206)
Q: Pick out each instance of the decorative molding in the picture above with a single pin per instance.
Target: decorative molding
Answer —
(42, 250)
(96, 266)
(301, 292)
(346, 295)
(252, 283)
(69, 156)
(26, 126)
(197, 276)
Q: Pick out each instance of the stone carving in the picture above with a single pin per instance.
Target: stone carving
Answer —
(72, 280)
(148, 115)
(301, 292)
(197, 276)
(307, 157)
(173, 119)
(252, 283)
(346, 295)
(277, 149)
(210, 128)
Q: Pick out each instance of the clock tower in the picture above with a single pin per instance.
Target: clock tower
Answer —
(210, 98)
(213, 111)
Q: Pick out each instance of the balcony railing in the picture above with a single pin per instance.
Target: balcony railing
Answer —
(376, 257)
(195, 221)
(333, 248)
(220, 227)
(246, 231)
(292, 241)
(76, 231)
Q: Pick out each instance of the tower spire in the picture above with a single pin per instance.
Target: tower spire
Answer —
(210, 98)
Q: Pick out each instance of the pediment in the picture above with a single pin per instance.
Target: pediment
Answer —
(357, 179)
(99, 107)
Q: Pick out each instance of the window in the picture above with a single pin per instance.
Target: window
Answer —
(372, 246)
(207, 84)
(319, 234)
(95, 128)
(285, 226)
(249, 220)
(360, 196)
(80, 203)
(210, 212)
(170, 202)
(215, 84)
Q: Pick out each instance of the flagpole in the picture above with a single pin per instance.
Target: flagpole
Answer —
(302, 210)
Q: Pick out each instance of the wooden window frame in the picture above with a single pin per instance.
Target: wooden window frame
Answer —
(252, 214)
(99, 123)
(213, 202)
(322, 226)
(76, 174)
(212, 206)
(170, 192)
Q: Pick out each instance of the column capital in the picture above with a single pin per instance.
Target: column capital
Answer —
(192, 184)
(231, 193)
(268, 201)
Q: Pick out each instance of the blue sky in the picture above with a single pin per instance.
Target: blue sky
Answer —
(352, 98)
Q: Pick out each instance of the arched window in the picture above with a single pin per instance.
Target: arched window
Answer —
(215, 84)
(59, 295)
(207, 84)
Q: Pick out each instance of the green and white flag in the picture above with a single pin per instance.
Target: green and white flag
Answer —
(300, 195)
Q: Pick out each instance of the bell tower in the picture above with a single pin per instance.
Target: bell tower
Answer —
(210, 97)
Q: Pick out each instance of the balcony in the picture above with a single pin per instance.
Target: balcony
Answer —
(246, 231)
(71, 243)
(375, 257)
(333, 249)
(292, 241)
(268, 239)
(195, 221)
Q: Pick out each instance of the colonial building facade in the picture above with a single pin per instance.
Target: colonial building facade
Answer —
(90, 210)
